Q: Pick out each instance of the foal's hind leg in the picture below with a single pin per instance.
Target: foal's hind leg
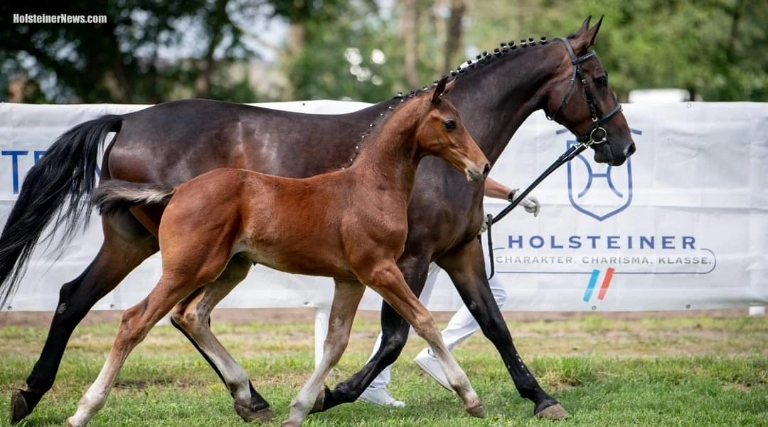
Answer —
(118, 256)
(346, 299)
(134, 326)
(192, 318)
(466, 266)
(387, 280)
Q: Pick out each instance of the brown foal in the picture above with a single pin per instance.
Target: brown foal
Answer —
(349, 224)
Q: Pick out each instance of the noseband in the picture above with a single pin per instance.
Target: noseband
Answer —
(596, 134)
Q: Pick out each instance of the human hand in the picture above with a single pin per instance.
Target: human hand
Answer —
(530, 203)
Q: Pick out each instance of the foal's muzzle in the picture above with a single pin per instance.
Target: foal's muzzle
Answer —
(476, 174)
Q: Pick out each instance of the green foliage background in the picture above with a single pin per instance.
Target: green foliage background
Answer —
(712, 48)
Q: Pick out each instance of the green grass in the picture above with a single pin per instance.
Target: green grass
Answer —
(686, 371)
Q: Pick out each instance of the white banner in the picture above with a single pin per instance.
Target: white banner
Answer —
(682, 225)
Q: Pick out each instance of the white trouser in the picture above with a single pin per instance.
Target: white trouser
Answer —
(461, 326)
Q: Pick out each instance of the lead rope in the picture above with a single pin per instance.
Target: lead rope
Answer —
(489, 221)
(569, 154)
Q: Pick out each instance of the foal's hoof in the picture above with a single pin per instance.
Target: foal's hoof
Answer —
(477, 411)
(19, 407)
(553, 412)
(260, 416)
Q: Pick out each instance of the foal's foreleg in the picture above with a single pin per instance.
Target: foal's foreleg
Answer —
(394, 336)
(117, 257)
(192, 318)
(346, 299)
(387, 280)
(466, 266)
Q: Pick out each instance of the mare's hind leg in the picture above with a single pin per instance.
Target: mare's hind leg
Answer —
(387, 280)
(346, 299)
(466, 266)
(134, 326)
(192, 318)
(121, 252)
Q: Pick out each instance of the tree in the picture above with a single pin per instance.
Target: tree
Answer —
(119, 60)
(355, 57)
(454, 34)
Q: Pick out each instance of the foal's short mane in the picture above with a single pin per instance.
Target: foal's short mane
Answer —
(394, 103)
(398, 102)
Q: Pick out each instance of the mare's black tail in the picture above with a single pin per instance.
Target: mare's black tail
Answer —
(57, 186)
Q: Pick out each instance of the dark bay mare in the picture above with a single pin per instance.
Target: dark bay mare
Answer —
(349, 224)
(174, 142)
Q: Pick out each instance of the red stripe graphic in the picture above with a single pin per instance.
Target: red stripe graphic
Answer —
(606, 283)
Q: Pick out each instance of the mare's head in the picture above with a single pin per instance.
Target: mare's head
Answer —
(581, 99)
(441, 133)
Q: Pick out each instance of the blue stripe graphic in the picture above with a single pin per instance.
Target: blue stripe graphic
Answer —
(591, 285)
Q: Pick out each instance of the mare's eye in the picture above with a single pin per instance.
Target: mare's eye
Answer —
(601, 81)
(449, 124)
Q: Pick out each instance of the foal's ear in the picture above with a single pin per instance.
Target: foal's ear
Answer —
(442, 88)
(585, 36)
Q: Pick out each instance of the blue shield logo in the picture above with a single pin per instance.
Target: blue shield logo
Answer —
(598, 190)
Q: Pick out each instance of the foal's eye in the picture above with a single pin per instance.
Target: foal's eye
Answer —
(449, 124)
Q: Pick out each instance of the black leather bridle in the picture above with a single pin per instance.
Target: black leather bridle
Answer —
(596, 134)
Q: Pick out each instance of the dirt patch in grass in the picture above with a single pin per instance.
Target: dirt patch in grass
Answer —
(738, 387)
(159, 382)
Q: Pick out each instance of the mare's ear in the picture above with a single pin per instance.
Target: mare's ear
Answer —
(440, 90)
(585, 36)
(584, 26)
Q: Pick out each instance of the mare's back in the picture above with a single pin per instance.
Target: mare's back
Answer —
(190, 137)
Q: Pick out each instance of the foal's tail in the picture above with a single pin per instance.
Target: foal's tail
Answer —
(66, 173)
(116, 196)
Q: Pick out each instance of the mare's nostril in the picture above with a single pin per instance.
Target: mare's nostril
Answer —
(486, 170)
(630, 150)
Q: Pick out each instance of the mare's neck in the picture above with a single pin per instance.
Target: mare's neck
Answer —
(496, 97)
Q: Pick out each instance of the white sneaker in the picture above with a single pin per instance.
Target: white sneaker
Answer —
(381, 397)
(429, 364)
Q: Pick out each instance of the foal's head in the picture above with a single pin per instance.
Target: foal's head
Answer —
(581, 100)
(441, 133)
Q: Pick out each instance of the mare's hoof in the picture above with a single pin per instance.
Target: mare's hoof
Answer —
(260, 416)
(320, 401)
(553, 412)
(477, 411)
(318, 406)
(289, 424)
(19, 407)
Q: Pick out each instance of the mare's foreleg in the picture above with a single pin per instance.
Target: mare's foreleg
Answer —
(387, 280)
(346, 299)
(192, 318)
(393, 338)
(466, 267)
(118, 256)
